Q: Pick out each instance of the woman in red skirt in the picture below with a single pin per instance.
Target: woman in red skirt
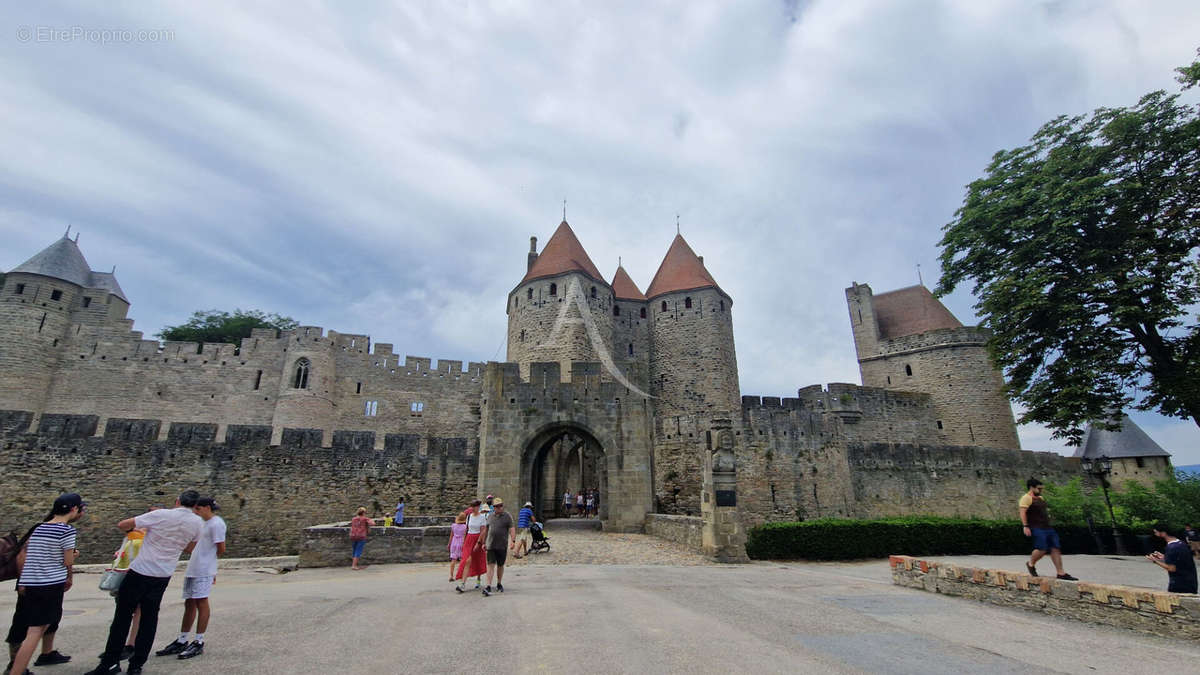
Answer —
(474, 561)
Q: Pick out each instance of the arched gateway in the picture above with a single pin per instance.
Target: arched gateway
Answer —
(542, 437)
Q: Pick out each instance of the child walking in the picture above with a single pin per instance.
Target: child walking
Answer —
(458, 532)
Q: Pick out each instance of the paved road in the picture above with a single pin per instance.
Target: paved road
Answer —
(567, 618)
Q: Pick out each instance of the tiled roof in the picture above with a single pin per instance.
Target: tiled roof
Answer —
(623, 286)
(681, 270)
(563, 253)
(910, 311)
(1130, 441)
(63, 260)
(60, 260)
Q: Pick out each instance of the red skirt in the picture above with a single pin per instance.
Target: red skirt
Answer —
(476, 558)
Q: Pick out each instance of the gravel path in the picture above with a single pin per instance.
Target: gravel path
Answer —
(582, 547)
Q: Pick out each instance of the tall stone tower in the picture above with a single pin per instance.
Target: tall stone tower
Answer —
(47, 301)
(546, 309)
(631, 328)
(907, 340)
(693, 366)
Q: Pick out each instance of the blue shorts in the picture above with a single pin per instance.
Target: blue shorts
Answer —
(358, 549)
(1045, 538)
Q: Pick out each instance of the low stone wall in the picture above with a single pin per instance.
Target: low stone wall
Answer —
(1171, 615)
(686, 530)
(329, 545)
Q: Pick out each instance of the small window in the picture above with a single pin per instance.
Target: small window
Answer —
(553, 289)
(687, 303)
(631, 349)
(258, 380)
(87, 302)
(908, 370)
(522, 335)
(358, 387)
(19, 290)
(417, 407)
(664, 305)
(516, 302)
(939, 422)
(56, 295)
(616, 310)
(593, 291)
(722, 305)
(300, 381)
(1141, 462)
(370, 408)
(529, 294)
(643, 312)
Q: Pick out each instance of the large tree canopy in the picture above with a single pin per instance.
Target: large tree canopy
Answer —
(1082, 247)
(217, 326)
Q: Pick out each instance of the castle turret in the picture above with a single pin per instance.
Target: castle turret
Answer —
(631, 328)
(546, 311)
(906, 340)
(41, 299)
(693, 366)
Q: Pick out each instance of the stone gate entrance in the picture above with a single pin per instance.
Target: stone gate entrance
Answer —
(564, 458)
(542, 437)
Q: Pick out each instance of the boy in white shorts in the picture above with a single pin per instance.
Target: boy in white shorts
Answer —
(198, 581)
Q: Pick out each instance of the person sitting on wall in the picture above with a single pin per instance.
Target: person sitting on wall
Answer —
(1176, 560)
(1035, 518)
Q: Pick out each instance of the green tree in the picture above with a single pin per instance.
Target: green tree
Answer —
(1189, 76)
(1082, 247)
(215, 326)
(1070, 504)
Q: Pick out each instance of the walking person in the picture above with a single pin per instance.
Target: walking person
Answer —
(1035, 517)
(566, 508)
(198, 581)
(591, 504)
(45, 562)
(458, 532)
(398, 519)
(499, 531)
(474, 561)
(579, 503)
(1176, 560)
(125, 556)
(525, 519)
(360, 526)
(169, 534)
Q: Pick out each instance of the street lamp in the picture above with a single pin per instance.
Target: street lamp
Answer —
(1101, 468)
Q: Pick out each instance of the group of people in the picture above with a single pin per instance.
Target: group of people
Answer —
(1176, 558)
(582, 504)
(46, 557)
(480, 540)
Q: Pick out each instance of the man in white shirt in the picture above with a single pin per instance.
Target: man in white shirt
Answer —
(198, 581)
(169, 533)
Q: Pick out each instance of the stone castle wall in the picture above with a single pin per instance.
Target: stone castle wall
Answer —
(267, 493)
(693, 363)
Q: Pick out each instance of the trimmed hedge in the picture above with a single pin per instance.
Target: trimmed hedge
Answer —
(846, 539)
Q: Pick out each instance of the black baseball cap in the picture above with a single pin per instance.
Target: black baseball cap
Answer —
(66, 502)
(208, 501)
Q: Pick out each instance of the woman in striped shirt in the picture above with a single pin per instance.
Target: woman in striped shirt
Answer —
(45, 562)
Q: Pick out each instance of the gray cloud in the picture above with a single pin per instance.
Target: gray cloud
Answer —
(379, 168)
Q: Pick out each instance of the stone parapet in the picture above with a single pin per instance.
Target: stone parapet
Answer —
(686, 530)
(1171, 615)
(329, 545)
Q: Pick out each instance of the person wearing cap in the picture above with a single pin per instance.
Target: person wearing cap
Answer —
(45, 561)
(499, 531)
(525, 519)
(198, 581)
(169, 534)
(473, 564)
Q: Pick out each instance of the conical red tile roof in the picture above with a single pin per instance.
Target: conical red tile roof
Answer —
(623, 286)
(681, 270)
(563, 253)
(909, 311)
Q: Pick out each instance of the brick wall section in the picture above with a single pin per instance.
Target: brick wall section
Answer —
(684, 530)
(268, 493)
(1169, 615)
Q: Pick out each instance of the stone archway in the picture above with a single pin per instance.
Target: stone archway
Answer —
(563, 458)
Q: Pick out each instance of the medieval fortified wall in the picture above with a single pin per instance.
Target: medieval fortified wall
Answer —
(606, 386)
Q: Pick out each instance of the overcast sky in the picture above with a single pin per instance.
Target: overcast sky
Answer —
(379, 169)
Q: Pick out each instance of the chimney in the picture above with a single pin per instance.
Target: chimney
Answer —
(532, 253)
(701, 260)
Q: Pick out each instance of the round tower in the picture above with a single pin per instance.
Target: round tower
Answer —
(693, 365)
(306, 386)
(36, 303)
(562, 310)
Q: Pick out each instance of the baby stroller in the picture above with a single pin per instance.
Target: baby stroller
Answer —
(540, 541)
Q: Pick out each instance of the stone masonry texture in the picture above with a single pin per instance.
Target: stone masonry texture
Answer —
(301, 427)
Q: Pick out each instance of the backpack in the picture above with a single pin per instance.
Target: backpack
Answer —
(10, 548)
